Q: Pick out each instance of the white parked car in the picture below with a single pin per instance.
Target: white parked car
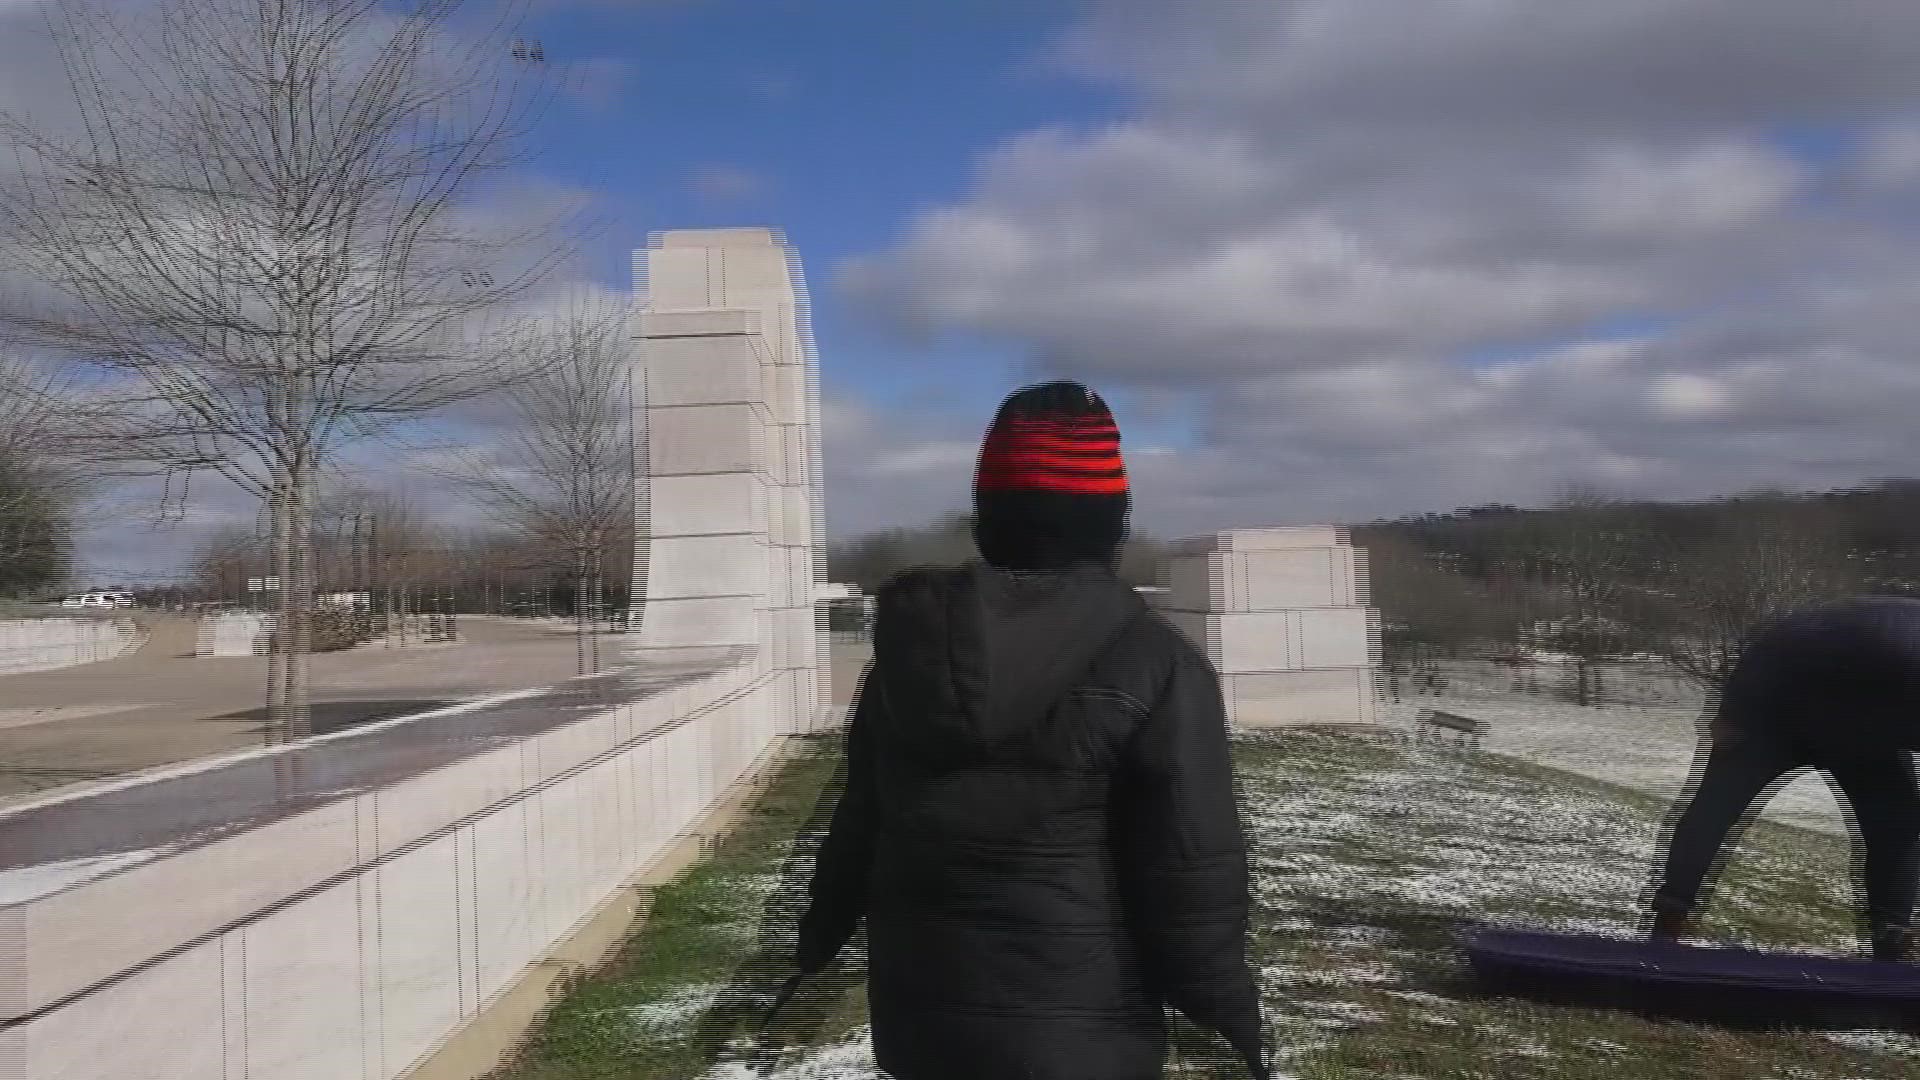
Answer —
(100, 600)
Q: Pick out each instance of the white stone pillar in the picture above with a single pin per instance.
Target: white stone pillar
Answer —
(707, 575)
(1282, 614)
(761, 420)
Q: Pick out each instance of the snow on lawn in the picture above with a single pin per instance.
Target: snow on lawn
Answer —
(1644, 735)
(1368, 858)
(851, 1059)
(676, 1014)
(1333, 848)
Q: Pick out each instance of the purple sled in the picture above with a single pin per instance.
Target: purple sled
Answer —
(1728, 986)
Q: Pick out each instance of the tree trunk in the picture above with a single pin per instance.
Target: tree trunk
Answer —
(599, 601)
(299, 589)
(288, 706)
(277, 714)
(579, 608)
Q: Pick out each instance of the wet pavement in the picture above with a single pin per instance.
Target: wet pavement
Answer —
(158, 704)
(186, 811)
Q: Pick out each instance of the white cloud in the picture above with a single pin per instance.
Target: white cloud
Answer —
(1705, 188)
(943, 456)
(1690, 397)
(1324, 209)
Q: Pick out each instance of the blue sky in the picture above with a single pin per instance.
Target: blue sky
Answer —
(838, 120)
(1330, 260)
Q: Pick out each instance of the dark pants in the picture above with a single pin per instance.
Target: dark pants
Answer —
(1878, 783)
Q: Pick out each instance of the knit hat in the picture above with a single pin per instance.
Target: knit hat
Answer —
(1051, 489)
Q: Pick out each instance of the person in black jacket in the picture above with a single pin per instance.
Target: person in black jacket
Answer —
(1835, 687)
(1039, 823)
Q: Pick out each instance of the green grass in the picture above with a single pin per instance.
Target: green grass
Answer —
(653, 1011)
(1368, 859)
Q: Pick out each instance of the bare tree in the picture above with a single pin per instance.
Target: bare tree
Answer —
(1762, 558)
(37, 490)
(399, 558)
(1428, 609)
(1592, 555)
(259, 229)
(564, 476)
(227, 560)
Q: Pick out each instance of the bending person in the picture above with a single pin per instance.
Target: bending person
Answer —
(1834, 687)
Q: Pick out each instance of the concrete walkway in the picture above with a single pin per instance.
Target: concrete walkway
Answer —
(83, 836)
(160, 704)
(195, 807)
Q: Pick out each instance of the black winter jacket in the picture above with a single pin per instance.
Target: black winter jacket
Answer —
(1040, 827)
(1840, 677)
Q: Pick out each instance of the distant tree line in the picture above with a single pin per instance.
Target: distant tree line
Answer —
(869, 560)
(1593, 577)
(407, 564)
(1597, 577)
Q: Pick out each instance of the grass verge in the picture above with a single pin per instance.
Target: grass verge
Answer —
(1368, 857)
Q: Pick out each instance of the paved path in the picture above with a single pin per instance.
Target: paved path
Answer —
(160, 704)
(140, 821)
(197, 807)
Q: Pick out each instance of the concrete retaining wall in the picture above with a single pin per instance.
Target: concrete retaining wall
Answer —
(231, 633)
(47, 644)
(354, 939)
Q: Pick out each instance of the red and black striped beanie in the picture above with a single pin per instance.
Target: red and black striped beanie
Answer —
(1051, 488)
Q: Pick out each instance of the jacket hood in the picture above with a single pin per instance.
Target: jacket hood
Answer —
(972, 656)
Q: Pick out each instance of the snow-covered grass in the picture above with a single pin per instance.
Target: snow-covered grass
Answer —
(1643, 731)
(1368, 858)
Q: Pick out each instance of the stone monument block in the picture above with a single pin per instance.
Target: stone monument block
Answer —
(1282, 614)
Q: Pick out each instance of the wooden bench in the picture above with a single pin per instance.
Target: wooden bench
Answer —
(1435, 724)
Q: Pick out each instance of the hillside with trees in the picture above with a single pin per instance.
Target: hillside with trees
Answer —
(1592, 577)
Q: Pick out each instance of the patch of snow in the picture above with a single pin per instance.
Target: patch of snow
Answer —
(848, 1060)
(1651, 748)
(26, 883)
(675, 1012)
(1283, 975)
(1345, 1013)
(1875, 1041)
(1573, 848)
